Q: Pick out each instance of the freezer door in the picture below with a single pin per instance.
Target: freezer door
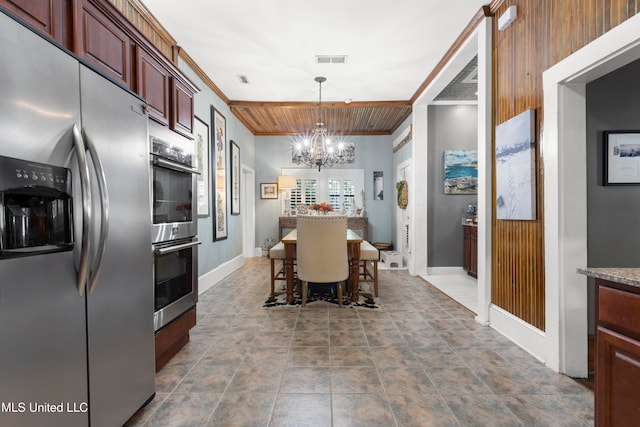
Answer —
(120, 308)
(42, 317)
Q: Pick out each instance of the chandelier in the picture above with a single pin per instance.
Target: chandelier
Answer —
(319, 150)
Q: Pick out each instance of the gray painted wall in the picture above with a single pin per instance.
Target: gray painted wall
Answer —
(373, 153)
(212, 254)
(451, 127)
(613, 212)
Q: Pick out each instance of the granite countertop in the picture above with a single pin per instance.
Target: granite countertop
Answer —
(627, 276)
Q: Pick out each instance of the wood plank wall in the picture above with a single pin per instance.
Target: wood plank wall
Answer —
(146, 23)
(544, 32)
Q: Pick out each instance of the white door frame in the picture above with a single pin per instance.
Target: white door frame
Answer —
(403, 216)
(248, 191)
(565, 190)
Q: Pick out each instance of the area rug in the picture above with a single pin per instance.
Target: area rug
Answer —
(365, 300)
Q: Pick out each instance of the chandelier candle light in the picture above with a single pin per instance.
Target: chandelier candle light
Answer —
(319, 150)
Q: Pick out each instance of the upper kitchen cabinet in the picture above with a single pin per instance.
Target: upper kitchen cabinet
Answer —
(154, 82)
(101, 35)
(50, 17)
(103, 43)
(182, 114)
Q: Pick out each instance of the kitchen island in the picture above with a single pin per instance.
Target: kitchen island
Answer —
(617, 376)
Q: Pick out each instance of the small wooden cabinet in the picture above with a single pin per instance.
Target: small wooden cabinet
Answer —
(182, 112)
(102, 42)
(617, 396)
(50, 17)
(358, 224)
(470, 249)
(153, 84)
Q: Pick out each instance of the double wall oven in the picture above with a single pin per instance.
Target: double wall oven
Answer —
(174, 230)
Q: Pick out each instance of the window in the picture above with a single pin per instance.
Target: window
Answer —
(338, 187)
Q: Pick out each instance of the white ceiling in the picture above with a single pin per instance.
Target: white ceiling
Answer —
(392, 46)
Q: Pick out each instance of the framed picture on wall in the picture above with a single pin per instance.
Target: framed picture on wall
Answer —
(219, 162)
(460, 172)
(621, 157)
(201, 135)
(235, 178)
(516, 167)
(269, 190)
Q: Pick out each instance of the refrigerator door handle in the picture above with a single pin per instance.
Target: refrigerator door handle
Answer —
(104, 205)
(85, 190)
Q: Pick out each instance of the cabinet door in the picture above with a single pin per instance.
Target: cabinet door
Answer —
(617, 379)
(466, 248)
(102, 43)
(153, 84)
(47, 16)
(182, 114)
(473, 251)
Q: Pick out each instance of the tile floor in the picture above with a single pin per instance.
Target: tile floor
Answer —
(461, 287)
(418, 360)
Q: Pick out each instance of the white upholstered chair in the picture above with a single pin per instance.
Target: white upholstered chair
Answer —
(321, 251)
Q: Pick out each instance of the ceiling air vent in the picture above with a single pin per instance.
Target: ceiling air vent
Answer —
(331, 59)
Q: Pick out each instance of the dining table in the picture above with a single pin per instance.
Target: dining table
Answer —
(353, 248)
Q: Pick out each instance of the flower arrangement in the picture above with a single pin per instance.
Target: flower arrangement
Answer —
(323, 207)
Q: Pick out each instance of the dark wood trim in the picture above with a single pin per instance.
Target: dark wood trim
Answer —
(262, 104)
(469, 29)
(203, 76)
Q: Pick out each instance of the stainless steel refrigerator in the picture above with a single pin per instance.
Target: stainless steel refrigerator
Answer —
(71, 355)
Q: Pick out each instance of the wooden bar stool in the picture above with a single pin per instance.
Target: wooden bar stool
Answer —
(369, 265)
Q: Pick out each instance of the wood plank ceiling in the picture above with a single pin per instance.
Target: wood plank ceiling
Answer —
(295, 118)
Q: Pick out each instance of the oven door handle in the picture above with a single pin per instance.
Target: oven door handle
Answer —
(104, 214)
(168, 250)
(85, 192)
(175, 166)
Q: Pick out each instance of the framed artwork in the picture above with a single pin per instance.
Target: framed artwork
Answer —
(621, 157)
(378, 185)
(235, 178)
(460, 172)
(516, 167)
(269, 190)
(201, 135)
(219, 161)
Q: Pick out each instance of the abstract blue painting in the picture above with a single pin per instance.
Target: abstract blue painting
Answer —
(515, 168)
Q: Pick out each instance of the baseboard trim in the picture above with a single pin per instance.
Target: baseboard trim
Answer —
(524, 335)
(445, 270)
(211, 278)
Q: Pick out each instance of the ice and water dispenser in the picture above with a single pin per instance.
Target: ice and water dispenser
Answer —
(35, 208)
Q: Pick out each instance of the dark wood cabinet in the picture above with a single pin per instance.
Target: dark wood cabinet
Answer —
(103, 43)
(98, 33)
(49, 17)
(470, 249)
(617, 397)
(153, 84)
(182, 112)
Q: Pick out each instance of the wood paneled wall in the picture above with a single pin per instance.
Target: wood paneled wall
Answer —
(544, 32)
(144, 21)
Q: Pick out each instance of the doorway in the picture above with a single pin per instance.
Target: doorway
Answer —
(403, 235)
(248, 191)
(565, 195)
